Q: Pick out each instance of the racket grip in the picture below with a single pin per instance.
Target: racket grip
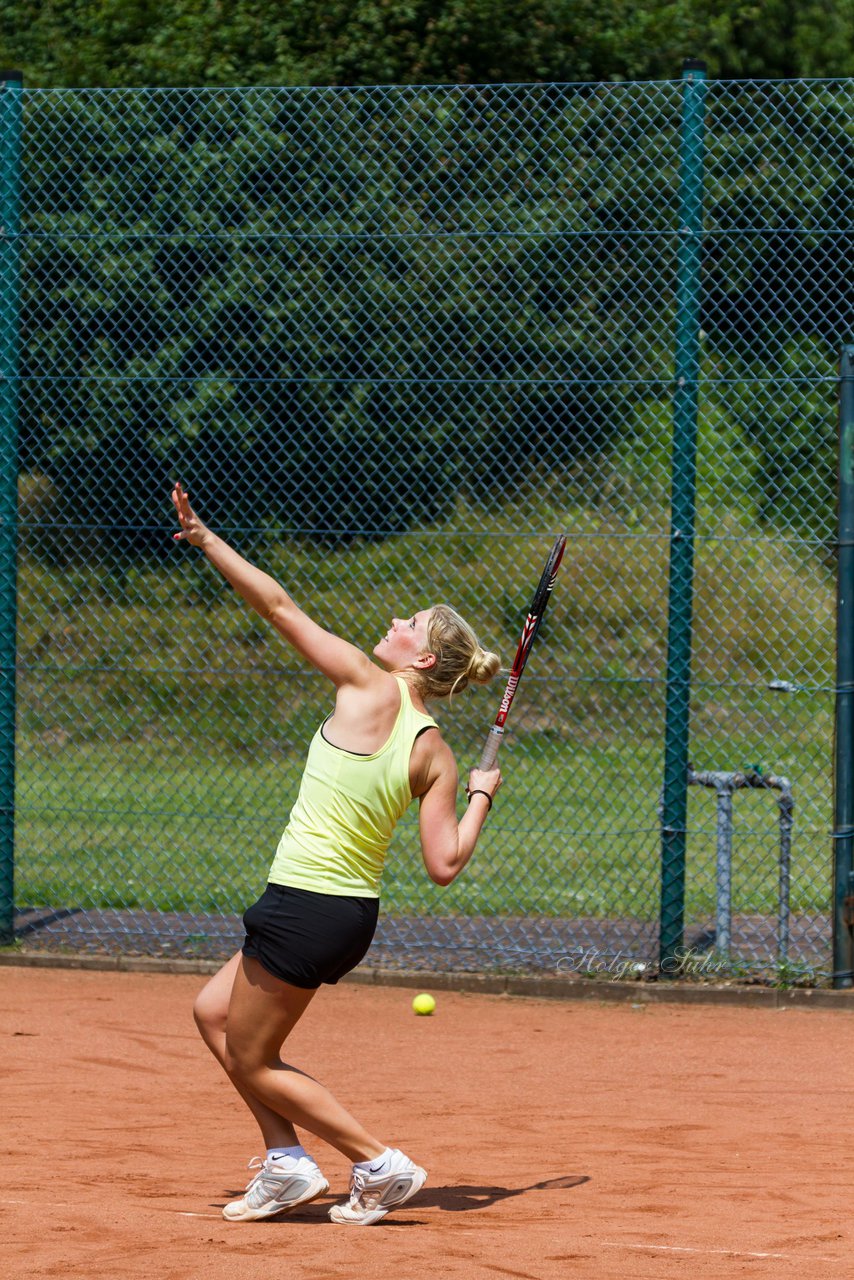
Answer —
(490, 749)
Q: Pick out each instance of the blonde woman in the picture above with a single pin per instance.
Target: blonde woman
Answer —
(376, 751)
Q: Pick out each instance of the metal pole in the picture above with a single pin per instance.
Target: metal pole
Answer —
(683, 491)
(787, 805)
(843, 792)
(11, 85)
(723, 910)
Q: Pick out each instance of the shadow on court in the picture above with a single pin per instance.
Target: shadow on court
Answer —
(459, 1199)
(463, 1198)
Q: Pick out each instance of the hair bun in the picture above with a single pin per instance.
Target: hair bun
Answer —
(484, 665)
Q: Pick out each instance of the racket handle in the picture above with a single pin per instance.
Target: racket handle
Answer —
(490, 750)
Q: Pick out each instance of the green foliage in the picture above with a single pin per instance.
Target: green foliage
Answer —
(312, 382)
(793, 438)
(225, 42)
(788, 38)
(334, 312)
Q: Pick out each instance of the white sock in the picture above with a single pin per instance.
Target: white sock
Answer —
(276, 1153)
(378, 1165)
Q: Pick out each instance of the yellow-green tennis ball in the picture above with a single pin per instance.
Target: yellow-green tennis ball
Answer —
(424, 1004)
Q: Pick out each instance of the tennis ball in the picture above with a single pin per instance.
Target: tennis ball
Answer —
(424, 1004)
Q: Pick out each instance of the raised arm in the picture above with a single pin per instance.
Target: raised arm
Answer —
(341, 661)
(448, 844)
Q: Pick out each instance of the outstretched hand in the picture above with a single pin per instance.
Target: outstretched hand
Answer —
(192, 529)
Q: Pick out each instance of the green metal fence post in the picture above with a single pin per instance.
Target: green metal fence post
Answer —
(683, 490)
(11, 85)
(843, 792)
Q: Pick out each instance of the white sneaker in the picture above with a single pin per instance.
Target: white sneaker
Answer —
(373, 1194)
(257, 1162)
(278, 1187)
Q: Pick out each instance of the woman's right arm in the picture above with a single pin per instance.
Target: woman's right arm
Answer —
(448, 844)
(341, 661)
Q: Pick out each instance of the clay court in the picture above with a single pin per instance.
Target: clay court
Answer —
(562, 1138)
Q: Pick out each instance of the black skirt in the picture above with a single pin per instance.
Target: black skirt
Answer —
(308, 938)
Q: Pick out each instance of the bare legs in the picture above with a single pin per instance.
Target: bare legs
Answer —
(211, 1014)
(245, 1015)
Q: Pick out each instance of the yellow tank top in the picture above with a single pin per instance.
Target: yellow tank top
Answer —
(340, 827)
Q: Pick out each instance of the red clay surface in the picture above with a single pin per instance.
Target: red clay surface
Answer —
(561, 1139)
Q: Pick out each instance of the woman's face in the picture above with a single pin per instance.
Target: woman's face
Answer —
(404, 642)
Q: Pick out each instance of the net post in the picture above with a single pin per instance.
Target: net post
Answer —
(683, 498)
(843, 765)
(11, 87)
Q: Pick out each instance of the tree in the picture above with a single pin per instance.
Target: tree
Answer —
(115, 43)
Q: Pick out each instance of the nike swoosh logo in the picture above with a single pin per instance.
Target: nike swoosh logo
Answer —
(371, 1169)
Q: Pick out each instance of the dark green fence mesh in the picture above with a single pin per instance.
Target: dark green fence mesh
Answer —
(393, 340)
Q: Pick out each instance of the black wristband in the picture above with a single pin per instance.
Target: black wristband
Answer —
(478, 792)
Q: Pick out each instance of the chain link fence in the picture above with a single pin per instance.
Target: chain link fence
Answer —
(392, 340)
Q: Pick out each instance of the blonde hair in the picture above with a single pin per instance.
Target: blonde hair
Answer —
(460, 659)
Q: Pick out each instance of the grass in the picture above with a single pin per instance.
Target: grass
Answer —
(162, 729)
(574, 833)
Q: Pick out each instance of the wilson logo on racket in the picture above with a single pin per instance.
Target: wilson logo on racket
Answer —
(508, 696)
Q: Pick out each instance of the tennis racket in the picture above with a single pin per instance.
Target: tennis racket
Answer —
(529, 635)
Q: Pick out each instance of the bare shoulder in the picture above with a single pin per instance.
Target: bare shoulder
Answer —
(365, 711)
(432, 760)
(373, 686)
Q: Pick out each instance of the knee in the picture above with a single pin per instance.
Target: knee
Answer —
(240, 1060)
(210, 1014)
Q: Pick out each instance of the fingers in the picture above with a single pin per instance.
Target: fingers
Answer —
(485, 780)
(182, 510)
(192, 529)
(182, 502)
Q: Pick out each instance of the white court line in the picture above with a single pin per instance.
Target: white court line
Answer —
(730, 1253)
(182, 1213)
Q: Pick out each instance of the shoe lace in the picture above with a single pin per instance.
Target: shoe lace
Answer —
(265, 1184)
(361, 1195)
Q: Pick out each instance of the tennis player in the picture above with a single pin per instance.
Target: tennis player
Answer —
(315, 921)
